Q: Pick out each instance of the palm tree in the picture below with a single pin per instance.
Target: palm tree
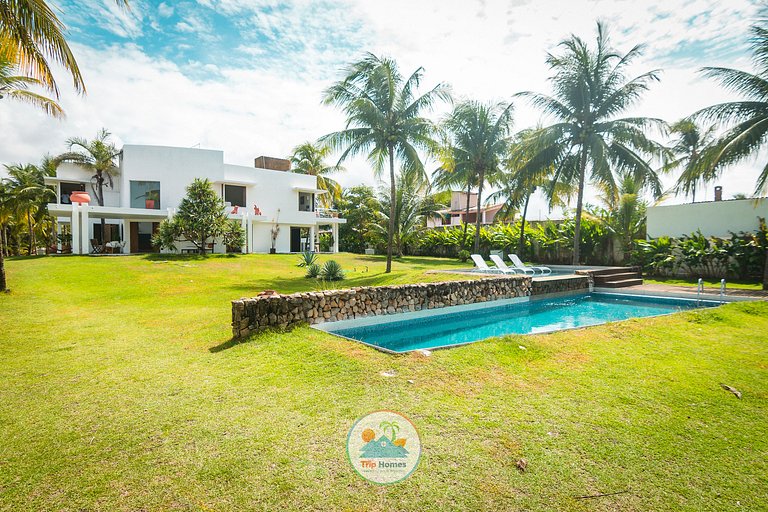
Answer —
(625, 213)
(686, 151)
(479, 139)
(96, 156)
(384, 120)
(413, 205)
(17, 87)
(5, 215)
(29, 194)
(308, 158)
(747, 120)
(454, 173)
(31, 34)
(590, 91)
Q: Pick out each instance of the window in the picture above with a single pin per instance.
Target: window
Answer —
(306, 202)
(235, 195)
(67, 189)
(145, 194)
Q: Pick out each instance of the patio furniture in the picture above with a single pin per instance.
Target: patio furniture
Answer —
(482, 266)
(496, 259)
(114, 247)
(519, 265)
(96, 247)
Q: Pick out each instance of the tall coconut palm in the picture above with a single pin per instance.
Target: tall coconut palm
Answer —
(384, 120)
(29, 195)
(5, 215)
(454, 173)
(97, 156)
(590, 92)
(309, 158)
(32, 36)
(479, 139)
(16, 87)
(746, 120)
(686, 150)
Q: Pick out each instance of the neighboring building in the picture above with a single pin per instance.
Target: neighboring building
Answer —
(713, 218)
(457, 213)
(152, 181)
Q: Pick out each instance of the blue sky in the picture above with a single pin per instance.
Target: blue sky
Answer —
(247, 76)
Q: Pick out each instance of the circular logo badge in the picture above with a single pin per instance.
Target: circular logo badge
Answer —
(384, 447)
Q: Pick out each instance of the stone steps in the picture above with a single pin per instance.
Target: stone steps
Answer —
(619, 277)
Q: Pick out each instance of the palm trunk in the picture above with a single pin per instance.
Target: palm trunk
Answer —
(466, 216)
(3, 284)
(392, 199)
(765, 270)
(521, 244)
(579, 206)
(480, 180)
(29, 227)
(100, 199)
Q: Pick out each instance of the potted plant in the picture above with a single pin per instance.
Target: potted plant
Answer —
(274, 232)
(150, 198)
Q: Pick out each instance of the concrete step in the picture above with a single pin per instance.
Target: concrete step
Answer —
(617, 277)
(622, 283)
(613, 271)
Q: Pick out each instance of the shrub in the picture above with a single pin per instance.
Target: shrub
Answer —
(331, 271)
(306, 259)
(313, 270)
(463, 255)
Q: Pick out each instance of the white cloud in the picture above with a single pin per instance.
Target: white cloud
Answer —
(165, 10)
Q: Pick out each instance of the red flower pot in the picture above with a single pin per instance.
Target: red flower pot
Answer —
(79, 197)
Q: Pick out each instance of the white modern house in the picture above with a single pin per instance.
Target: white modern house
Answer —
(151, 183)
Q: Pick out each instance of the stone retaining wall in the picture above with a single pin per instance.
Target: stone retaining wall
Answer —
(560, 284)
(258, 313)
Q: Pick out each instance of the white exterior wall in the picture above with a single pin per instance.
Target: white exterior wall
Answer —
(715, 218)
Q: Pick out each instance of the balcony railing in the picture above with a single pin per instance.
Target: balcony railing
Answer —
(327, 213)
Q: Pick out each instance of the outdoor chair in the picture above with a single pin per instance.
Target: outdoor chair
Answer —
(496, 259)
(482, 266)
(96, 247)
(518, 264)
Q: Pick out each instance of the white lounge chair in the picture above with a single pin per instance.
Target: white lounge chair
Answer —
(482, 266)
(517, 264)
(496, 259)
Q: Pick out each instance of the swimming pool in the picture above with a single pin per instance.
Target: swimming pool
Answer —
(465, 324)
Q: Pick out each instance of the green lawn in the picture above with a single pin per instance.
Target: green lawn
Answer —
(708, 283)
(119, 391)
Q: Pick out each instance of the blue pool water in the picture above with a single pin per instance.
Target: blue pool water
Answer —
(530, 317)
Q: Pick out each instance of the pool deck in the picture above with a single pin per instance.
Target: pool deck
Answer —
(669, 289)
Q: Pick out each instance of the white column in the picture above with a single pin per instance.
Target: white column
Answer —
(170, 213)
(127, 236)
(244, 225)
(312, 231)
(251, 242)
(85, 230)
(75, 223)
(335, 233)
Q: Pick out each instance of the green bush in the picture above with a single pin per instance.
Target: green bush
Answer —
(331, 271)
(463, 255)
(313, 270)
(306, 259)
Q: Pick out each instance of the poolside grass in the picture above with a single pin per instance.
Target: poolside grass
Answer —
(120, 390)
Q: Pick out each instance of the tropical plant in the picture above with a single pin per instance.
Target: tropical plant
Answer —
(97, 156)
(361, 208)
(201, 217)
(31, 34)
(478, 135)
(454, 173)
(313, 270)
(655, 256)
(306, 259)
(624, 215)
(463, 255)
(590, 91)
(29, 196)
(17, 87)
(309, 158)
(331, 271)
(413, 205)
(384, 120)
(685, 152)
(5, 214)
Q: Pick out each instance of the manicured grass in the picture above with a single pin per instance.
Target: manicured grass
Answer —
(708, 283)
(119, 391)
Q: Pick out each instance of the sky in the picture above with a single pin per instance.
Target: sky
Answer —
(247, 76)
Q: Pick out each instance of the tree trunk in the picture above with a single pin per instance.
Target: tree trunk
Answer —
(521, 244)
(392, 199)
(100, 200)
(3, 284)
(466, 215)
(29, 227)
(579, 206)
(480, 180)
